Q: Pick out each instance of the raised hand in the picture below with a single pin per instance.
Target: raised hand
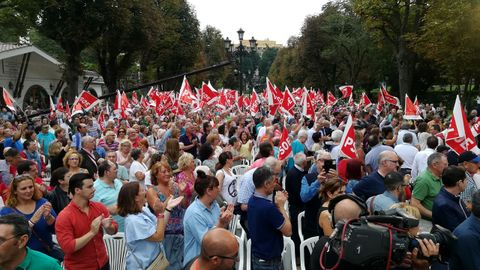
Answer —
(280, 198)
(226, 214)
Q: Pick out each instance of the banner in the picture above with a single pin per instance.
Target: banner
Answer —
(84, 102)
(285, 146)
(459, 135)
(347, 144)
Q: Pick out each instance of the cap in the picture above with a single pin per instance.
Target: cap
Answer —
(468, 156)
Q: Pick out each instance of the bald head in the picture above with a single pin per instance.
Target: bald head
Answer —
(347, 209)
(220, 242)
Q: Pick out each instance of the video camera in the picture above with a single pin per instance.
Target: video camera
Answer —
(382, 239)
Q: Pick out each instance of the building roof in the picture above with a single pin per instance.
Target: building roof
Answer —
(8, 50)
(10, 46)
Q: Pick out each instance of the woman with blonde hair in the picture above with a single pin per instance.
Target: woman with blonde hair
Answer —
(214, 140)
(330, 189)
(26, 199)
(72, 161)
(163, 187)
(186, 165)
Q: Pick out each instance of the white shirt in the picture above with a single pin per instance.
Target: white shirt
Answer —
(309, 143)
(134, 168)
(407, 153)
(420, 162)
(402, 132)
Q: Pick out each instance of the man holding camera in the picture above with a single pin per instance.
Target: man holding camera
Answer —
(346, 207)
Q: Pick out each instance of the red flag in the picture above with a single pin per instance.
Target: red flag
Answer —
(254, 106)
(274, 95)
(68, 112)
(298, 93)
(186, 95)
(125, 102)
(346, 90)
(285, 147)
(84, 102)
(347, 144)
(209, 94)
(411, 112)
(8, 100)
(154, 95)
(240, 103)
(331, 100)
(101, 121)
(52, 114)
(380, 101)
(459, 135)
(364, 101)
(288, 102)
(177, 109)
(350, 102)
(308, 109)
(320, 98)
(134, 98)
(232, 96)
(59, 106)
(389, 98)
(144, 103)
(222, 101)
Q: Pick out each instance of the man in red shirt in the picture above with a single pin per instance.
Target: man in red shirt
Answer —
(78, 227)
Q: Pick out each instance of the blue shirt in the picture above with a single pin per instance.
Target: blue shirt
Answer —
(465, 250)
(369, 186)
(247, 187)
(42, 229)
(308, 191)
(138, 228)
(381, 202)
(297, 147)
(108, 195)
(448, 210)
(264, 223)
(198, 220)
(8, 142)
(45, 140)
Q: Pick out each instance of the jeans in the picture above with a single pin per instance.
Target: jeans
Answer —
(260, 264)
(173, 244)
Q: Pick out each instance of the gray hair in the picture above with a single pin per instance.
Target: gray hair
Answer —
(86, 139)
(302, 134)
(384, 155)
(299, 159)
(322, 153)
(337, 135)
(271, 162)
(434, 158)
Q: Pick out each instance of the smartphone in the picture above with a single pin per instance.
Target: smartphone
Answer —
(329, 164)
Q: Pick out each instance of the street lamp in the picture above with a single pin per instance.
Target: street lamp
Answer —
(239, 52)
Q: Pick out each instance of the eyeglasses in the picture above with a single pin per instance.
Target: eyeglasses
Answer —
(10, 238)
(73, 158)
(394, 161)
(234, 257)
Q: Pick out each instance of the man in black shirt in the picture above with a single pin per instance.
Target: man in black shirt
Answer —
(59, 196)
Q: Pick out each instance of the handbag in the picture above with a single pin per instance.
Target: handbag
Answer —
(160, 262)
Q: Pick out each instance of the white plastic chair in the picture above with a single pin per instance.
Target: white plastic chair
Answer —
(288, 254)
(239, 170)
(241, 255)
(246, 162)
(198, 162)
(300, 218)
(232, 227)
(116, 250)
(310, 244)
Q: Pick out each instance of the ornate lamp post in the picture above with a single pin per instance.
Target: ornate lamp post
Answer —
(238, 53)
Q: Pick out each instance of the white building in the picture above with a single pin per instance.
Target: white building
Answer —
(31, 75)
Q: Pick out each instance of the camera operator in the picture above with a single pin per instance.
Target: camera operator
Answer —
(346, 207)
(465, 252)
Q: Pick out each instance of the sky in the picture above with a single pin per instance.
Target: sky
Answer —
(276, 20)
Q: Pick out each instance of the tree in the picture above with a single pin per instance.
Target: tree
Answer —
(450, 37)
(131, 27)
(178, 45)
(392, 21)
(72, 24)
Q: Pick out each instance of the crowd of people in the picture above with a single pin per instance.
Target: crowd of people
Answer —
(170, 185)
